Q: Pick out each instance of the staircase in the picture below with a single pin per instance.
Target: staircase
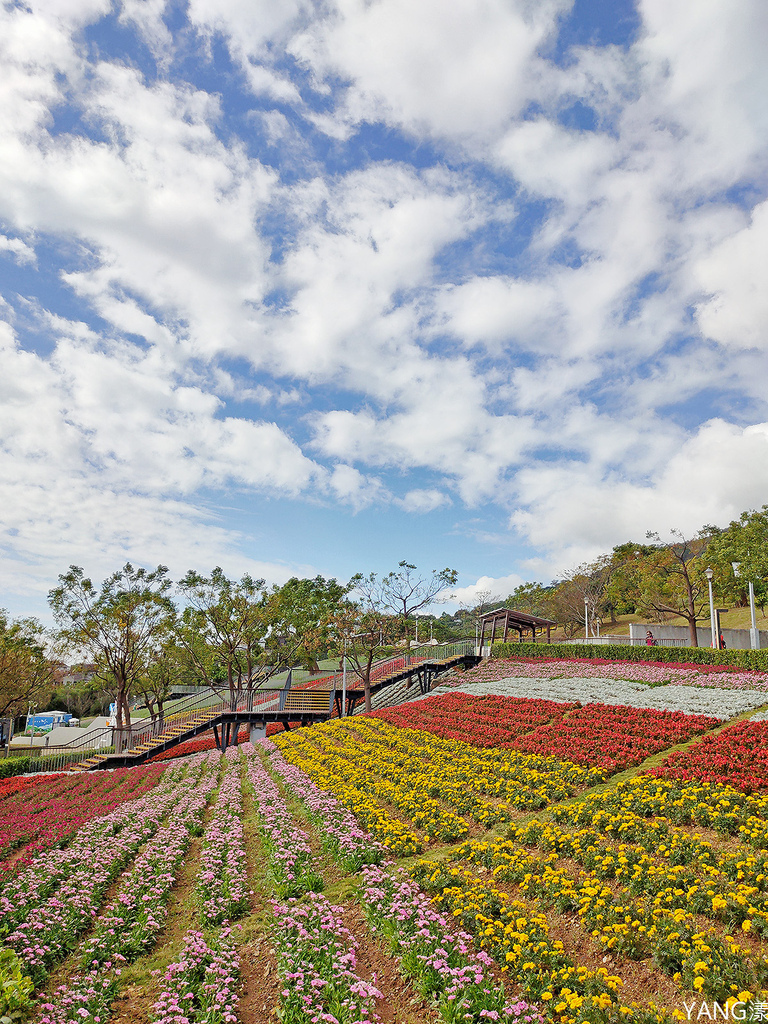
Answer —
(175, 732)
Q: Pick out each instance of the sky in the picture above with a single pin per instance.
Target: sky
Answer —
(312, 288)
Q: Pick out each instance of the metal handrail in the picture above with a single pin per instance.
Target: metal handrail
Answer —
(59, 755)
(399, 662)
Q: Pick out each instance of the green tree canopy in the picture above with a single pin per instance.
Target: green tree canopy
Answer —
(745, 540)
(26, 673)
(117, 625)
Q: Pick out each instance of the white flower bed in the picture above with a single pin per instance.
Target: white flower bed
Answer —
(692, 700)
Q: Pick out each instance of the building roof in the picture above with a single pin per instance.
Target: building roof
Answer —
(515, 618)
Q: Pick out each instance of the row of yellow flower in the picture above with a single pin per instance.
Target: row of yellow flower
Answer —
(370, 772)
(526, 781)
(729, 886)
(712, 805)
(517, 936)
(333, 777)
(634, 927)
(423, 775)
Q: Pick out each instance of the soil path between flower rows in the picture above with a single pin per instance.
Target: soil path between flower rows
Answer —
(260, 976)
(399, 1004)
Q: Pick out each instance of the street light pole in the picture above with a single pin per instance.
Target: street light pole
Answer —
(586, 619)
(344, 682)
(754, 635)
(715, 639)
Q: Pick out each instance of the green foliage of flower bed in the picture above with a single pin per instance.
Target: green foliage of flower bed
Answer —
(625, 652)
(15, 989)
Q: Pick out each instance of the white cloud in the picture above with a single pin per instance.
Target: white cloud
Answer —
(573, 513)
(489, 589)
(423, 500)
(461, 69)
(733, 273)
(20, 251)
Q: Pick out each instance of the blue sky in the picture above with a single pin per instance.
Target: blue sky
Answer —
(296, 288)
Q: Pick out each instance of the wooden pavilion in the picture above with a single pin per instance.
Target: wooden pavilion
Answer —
(506, 620)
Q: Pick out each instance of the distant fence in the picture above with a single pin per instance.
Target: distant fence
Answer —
(632, 641)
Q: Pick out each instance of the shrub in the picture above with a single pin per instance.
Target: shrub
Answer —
(10, 766)
(624, 652)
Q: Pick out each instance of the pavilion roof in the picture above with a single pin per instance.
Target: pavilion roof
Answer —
(512, 617)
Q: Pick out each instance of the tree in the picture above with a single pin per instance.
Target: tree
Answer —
(404, 591)
(299, 613)
(117, 626)
(622, 593)
(82, 697)
(223, 628)
(531, 598)
(579, 597)
(26, 673)
(242, 633)
(363, 627)
(671, 579)
(745, 540)
(167, 665)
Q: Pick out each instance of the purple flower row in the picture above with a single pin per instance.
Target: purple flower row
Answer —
(52, 929)
(221, 888)
(350, 844)
(317, 954)
(290, 855)
(442, 961)
(130, 925)
(201, 986)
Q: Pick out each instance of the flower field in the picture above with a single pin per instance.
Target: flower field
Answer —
(649, 673)
(601, 735)
(467, 857)
(39, 813)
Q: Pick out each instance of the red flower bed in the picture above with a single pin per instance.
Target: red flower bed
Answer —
(46, 810)
(594, 734)
(738, 756)
(13, 785)
(612, 737)
(484, 721)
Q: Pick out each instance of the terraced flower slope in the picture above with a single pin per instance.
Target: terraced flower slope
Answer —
(533, 885)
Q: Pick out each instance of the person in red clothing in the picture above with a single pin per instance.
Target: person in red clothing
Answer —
(649, 639)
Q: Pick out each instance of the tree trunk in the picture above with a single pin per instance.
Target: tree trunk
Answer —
(692, 634)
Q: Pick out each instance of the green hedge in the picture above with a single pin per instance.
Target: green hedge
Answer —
(624, 652)
(16, 766)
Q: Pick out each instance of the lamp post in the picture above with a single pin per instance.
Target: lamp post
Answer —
(344, 672)
(586, 619)
(344, 682)
(754, 635)
(715, 639)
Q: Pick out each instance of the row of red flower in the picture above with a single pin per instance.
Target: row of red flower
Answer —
(737, 755)
(47, 809)
(595, 734)
(492, 720)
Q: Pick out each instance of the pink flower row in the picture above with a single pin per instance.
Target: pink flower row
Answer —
(130, 924)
